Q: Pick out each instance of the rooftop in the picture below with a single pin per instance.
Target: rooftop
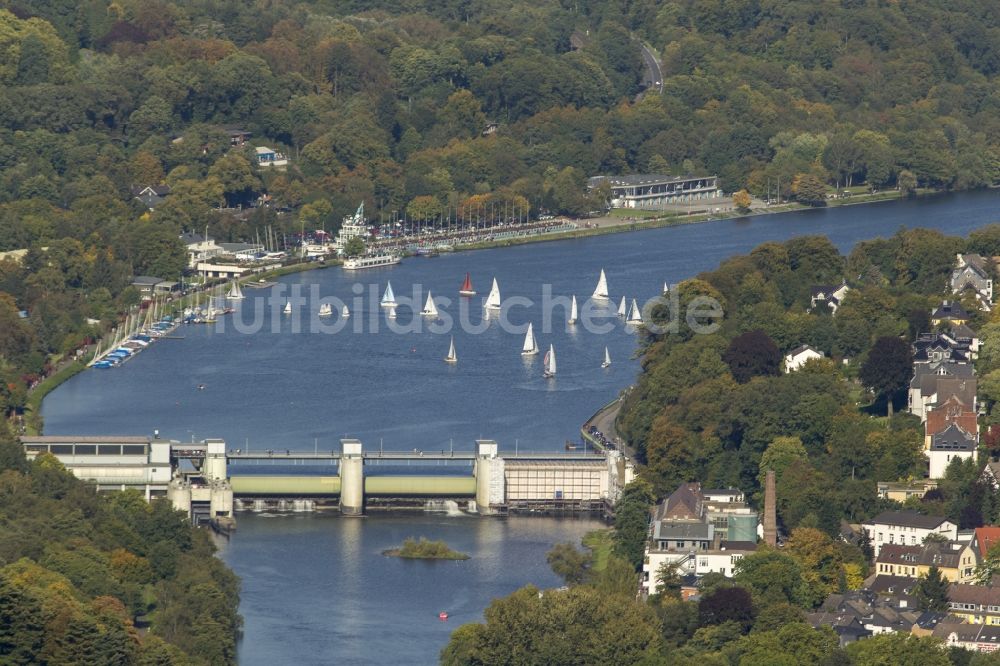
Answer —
(642, 179)
(908, 519)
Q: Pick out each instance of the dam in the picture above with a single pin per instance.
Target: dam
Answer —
(210, 482)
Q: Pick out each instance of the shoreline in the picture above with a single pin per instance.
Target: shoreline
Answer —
(33, 406)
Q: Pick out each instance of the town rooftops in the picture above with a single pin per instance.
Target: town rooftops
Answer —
(668, 530)
(908, 519)
(968, 633)
(950, 310)
(144, 280)
(974, 261)
(685, 503)
(894, 585)
(985, 538)
(930, 554)
(803, 348)
(976, 595)
(953, 438)
(963, 332)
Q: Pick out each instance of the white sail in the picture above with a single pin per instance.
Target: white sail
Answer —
(345, 312)
(391, 313)
(607, 358)
(493, 300)
(530, 345)
(388, 298)
(666, 289)
(288, 307)
(573, 314)
(325, 310)
(451, 357)
(235, 293)
(601, 292)
(634, 315)
(621, 308)
(550, 362)
(430, 310)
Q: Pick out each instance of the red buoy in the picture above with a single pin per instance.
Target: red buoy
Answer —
(442, 616)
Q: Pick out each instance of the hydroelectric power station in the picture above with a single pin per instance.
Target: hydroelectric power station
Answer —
(209, 481)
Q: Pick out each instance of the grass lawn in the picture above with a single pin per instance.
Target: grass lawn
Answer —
(599, 542)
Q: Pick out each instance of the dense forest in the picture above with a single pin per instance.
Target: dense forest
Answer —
(390, 102)
(105, 579)
(718, 409)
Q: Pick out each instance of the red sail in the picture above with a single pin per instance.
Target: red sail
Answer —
(467, 285)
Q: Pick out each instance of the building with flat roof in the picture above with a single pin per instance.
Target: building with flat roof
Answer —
(657, 191)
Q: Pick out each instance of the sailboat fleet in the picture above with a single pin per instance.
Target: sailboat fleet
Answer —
(136, 332)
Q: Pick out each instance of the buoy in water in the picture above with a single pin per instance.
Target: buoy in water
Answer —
(442, 616)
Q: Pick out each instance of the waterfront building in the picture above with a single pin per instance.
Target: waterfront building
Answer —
(353, 226)
(199, 248)
(658, 191)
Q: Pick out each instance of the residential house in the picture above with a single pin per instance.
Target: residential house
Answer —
(829, 295)
(799, 356)
(951, 411)
(983, 539)
(933, 383)
(950, 312)
(966, 336)
(916, 561)
(975, 637)
(900, 491)
(934, 347)
(268, 157)
(237, 136)
(951, 443)
(972, 273)
(151, 195)
(700, 531)
(975, 604)
(490, 127)
(906, 527)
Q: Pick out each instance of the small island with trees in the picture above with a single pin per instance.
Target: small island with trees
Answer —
(422, 549)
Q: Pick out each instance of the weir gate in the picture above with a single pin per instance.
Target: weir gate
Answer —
(209, 481)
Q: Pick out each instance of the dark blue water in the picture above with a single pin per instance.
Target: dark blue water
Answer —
(284, 390)
(315, 589)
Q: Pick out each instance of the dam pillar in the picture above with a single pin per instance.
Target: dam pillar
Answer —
(489, 477)
(352, 478)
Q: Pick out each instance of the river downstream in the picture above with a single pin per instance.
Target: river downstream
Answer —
(315, 588)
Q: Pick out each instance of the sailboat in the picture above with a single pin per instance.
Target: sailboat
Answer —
(451, 357)
(549, 362)
(666, 289)
(388, 298)
(467, 289)
(601, 292)
(530, 345)
(634, 316)
(288, 307)
(621, 308)
(235, 293)
(430, 310)
(493, 300)
(607, 358)
(345, 313)
(573, 314)
(325, 310)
